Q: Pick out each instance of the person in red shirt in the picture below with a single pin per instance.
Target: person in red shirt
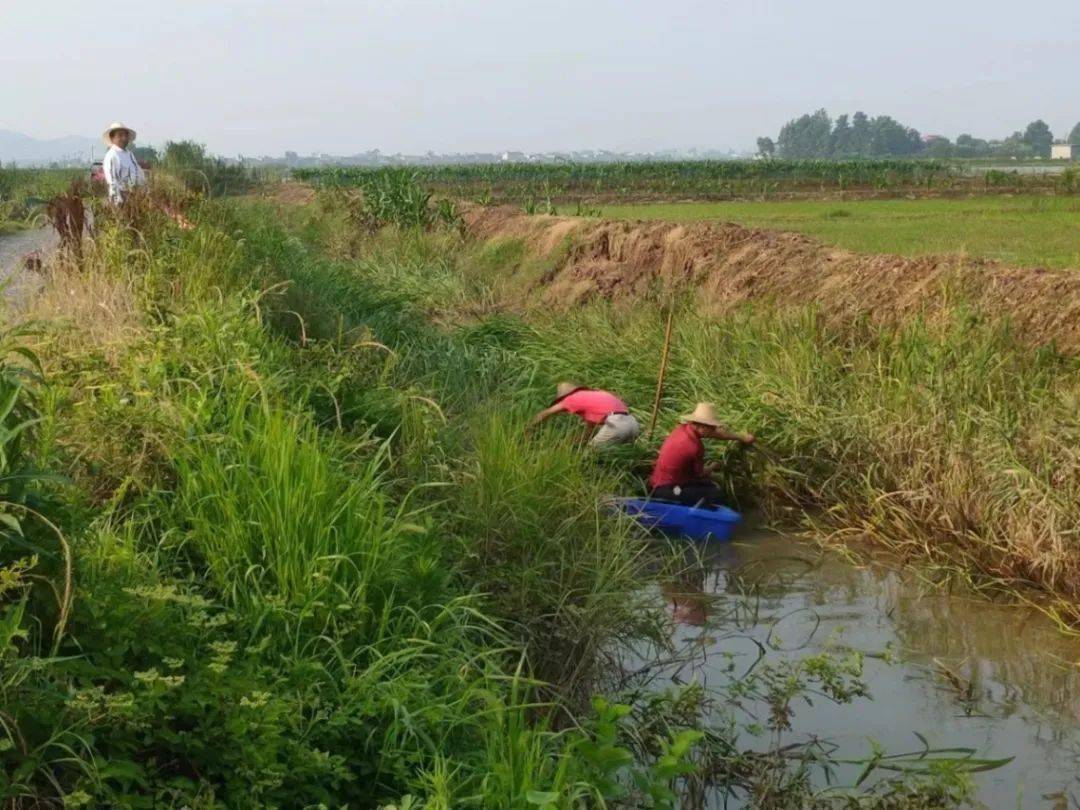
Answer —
(680, 473)
(606, 414)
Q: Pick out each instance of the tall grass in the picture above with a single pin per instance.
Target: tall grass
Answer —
(274, 605)
(277, 514)
(314, 559)
(949, 440)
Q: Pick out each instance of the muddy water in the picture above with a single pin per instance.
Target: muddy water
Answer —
(954, 668)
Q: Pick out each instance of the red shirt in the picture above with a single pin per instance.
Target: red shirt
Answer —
(681, 459)
(593, 406)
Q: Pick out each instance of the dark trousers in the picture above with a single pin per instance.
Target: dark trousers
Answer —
(704, 492)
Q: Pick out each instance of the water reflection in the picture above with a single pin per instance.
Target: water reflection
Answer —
(958, 669)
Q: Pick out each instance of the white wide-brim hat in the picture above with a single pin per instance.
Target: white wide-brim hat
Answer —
(704, 414)
(115, 125)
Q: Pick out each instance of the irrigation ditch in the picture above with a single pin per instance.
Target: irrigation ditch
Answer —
(277, 535)
(843, 390)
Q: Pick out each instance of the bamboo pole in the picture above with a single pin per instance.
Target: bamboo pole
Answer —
(663, 369)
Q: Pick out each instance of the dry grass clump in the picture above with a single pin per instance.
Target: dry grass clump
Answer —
(728, 266)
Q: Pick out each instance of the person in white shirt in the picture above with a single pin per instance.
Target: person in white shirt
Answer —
(122, 171)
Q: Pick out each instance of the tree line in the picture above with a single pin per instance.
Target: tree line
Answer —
(816, 135)
(196, 168)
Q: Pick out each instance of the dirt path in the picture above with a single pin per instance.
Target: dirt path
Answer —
(14, 248)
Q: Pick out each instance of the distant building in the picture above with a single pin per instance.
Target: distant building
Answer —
(1064, 151)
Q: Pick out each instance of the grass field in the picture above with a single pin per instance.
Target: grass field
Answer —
(1026, 231)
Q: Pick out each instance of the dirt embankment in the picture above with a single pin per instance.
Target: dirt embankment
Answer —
(730, 265)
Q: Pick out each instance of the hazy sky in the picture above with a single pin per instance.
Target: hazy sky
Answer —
(464, 75)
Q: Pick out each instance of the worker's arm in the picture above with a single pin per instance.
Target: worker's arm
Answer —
(726, 435)
(546, 413)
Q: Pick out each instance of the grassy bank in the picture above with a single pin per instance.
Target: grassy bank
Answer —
(274, 536)
(950, 442)
(1022, 231)
(264, 609)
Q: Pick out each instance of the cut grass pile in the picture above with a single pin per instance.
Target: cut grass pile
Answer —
(1020, 231)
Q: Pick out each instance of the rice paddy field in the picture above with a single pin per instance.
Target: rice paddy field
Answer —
(1023, 231)
(276, 533)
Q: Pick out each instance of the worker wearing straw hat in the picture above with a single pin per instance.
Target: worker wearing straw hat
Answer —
(122, 171)
(606, 414)
(680, 473)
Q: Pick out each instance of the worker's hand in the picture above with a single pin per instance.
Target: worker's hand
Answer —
(749, 438)
(712, 467)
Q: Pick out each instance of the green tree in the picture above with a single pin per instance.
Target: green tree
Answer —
(889, 137)
(806, 137)
(938, 146)
(968, 146)
(1014, 146)
(184, 155)
(189, 162)
(1074, 136)
(145, 154)
(1039, 137)
(860, 134)
(765, 147)
(841, 137)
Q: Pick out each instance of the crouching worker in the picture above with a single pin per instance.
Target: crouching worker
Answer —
(606, 414)
(680, 473)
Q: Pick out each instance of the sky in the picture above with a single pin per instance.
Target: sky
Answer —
(346, 76)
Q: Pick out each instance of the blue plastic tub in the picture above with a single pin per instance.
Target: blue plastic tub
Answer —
(716, 523)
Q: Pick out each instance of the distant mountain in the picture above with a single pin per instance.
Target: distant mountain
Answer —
(26, 151)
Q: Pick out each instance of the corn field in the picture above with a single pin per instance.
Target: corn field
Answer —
(696, 179)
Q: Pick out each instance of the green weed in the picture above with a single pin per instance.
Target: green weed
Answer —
(314, 557)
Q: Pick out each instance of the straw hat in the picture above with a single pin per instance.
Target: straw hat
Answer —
(704, 414)
(565, 389)
(115, 125)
